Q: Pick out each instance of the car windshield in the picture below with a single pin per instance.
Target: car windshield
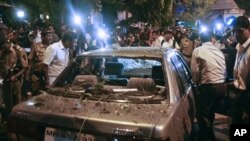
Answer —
(116, 79)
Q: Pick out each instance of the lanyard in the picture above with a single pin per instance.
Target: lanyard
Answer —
(238, 63)
(241, 56)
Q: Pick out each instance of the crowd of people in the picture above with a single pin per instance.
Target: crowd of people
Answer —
(51, 52)
(28, 73)
(208, 66)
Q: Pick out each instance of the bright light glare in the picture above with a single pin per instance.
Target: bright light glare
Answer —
(219, 26)
(203, 29)
(102, 34)
(20, 14)
(230, 21)
(31, 103)
(77, 19)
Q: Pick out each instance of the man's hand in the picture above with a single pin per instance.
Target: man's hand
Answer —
(12, 78)
(47, 85)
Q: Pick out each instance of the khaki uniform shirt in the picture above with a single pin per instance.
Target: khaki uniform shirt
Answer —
(16, 57)
(36, 56)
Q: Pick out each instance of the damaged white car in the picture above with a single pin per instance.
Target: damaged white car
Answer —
(120, 94)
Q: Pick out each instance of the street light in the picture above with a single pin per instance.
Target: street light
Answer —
(47, 17)
(203, 29)
(219, 26)
(20, 14)
(77, 19)
(102, 34)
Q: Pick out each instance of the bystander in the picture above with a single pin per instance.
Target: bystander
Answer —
(58, 56)
(241, 114)
(209, 72)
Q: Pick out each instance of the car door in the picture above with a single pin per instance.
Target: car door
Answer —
(186, 108)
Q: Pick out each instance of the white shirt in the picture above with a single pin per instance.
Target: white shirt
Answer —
(38, 38)
(242, 66)
(170, 44)
(219, 45)
(57, 58)
(158, 41)
(208, 64)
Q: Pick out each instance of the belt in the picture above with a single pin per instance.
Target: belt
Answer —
(38, 73)
(212, 84)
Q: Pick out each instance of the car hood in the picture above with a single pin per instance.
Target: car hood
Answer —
(93, 116)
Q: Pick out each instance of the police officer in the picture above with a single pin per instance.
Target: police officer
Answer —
(35, 62)
(15, 65)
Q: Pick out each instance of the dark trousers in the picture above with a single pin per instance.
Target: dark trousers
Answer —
(208, 99)
(241, 110)
(37, 83)
(12, 94)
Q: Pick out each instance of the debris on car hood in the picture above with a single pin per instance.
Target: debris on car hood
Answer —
(135, 113)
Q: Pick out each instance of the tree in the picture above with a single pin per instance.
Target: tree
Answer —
(244, 4)
(193, 10)
(33, 9)
(155, 12)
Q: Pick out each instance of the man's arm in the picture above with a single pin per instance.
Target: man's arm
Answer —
(24, 62)
(195, 67)
(22, 71)
(48, 58)
(46, 75)
(31, 58)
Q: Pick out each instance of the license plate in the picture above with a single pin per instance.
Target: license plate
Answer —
(53, 134)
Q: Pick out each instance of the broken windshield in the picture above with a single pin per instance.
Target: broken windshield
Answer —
(113, 79)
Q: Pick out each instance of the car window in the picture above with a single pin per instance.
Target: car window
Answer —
(140, 67)
(186, 74)
(182, 74)
(136, 80)
(186, 68)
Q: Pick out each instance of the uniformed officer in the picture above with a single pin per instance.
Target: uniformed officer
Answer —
(15, 65)
(35, 62)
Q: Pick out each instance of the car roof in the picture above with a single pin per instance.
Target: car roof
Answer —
(133, 52)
